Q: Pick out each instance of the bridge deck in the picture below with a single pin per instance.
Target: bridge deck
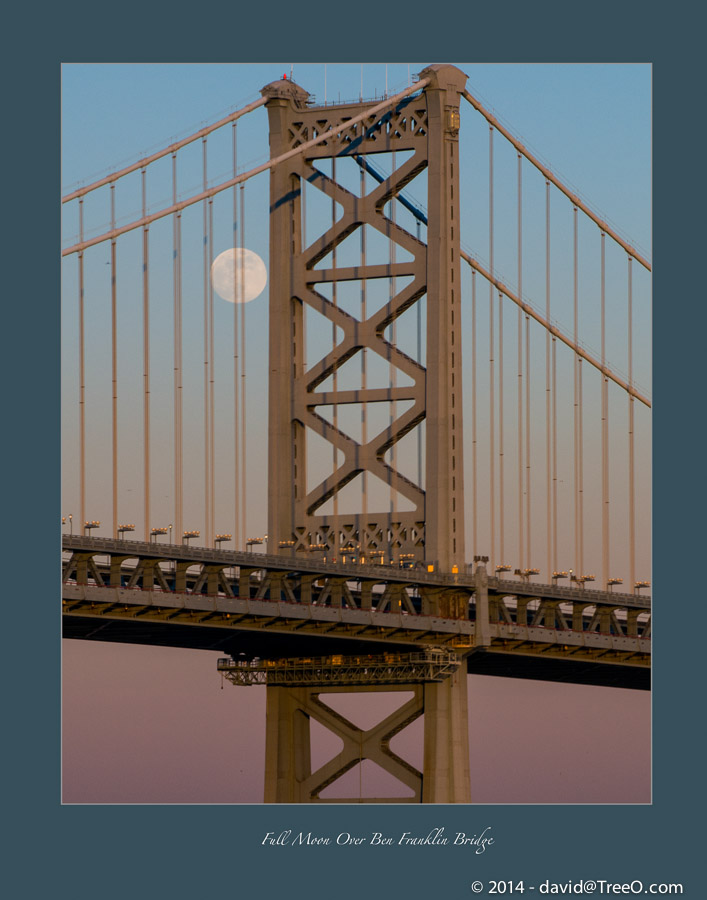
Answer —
(273, 607)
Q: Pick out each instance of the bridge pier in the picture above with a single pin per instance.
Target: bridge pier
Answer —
(287, 745)
(288, 763)
(446, 776)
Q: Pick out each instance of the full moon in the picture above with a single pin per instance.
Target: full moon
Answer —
(238, 275)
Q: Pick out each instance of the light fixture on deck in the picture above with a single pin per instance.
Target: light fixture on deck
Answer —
(188, 535)
(123, 528)
(221, 538)
(612, 581)
(582, 579)
(501, 568)
(157, 531)
(639, 585)
(526, 573)
(557, 575)
(88, 526)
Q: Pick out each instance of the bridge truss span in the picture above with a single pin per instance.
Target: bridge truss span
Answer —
(254, 604)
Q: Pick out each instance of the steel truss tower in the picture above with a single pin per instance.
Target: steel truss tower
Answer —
(423, 129)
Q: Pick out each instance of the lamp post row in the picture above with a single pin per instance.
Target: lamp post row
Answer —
(523, 574)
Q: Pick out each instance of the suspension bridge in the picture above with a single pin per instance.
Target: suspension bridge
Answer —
(456, 474)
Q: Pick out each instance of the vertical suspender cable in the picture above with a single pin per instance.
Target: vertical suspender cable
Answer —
(528, 529)
(555, 562)
(577, 551)
(238, 539)
(580, 459)
(548, 443)
(418, 306)
(520, 367)
(474, 507)
(500, 432)
(243, 380)
(114, 358)
(177, 277)
(554, 454)
(335, 376)
(393, 369)
(631, 481)
(604, 428)
(82, 381)
(212, 376)
(207, 454)
(146, 355)
(364, 373)
(492, 449)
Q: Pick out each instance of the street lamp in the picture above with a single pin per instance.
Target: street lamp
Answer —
(251, 541)
(582, 579)
(220, 538)
(123, 528)
(612, 581)
(557, 575)
(170, 534)
(156, 531)
(188, 535)
(348, 548)
(639, 585)
(93, 523)
(71, 524)
(501, 568)
(526, 573)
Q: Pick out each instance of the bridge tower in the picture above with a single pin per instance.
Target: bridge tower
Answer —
(423, 128)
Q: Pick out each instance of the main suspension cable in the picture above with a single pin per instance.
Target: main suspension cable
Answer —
(493, 121)
(171, 149)
(548, 326)
(243, 177)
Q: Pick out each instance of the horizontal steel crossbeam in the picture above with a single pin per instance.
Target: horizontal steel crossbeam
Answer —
(432, 664)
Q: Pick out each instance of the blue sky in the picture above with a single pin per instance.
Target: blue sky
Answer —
(589, 123)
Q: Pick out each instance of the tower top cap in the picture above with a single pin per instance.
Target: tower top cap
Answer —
(284, 89)
(444, 77)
